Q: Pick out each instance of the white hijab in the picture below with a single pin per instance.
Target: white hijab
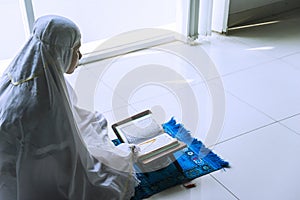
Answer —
(44, 138)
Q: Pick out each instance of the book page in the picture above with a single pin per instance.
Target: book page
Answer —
(155, 144)
(141, 130)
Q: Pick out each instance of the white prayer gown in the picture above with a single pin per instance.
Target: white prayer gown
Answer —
(49, 148)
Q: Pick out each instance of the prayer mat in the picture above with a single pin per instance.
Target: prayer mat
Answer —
(191, 162)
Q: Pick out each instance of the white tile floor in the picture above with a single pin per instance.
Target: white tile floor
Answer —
(255, 111)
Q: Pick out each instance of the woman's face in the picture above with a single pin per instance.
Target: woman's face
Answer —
(75, 58)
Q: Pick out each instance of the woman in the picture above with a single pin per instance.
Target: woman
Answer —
(49, 148)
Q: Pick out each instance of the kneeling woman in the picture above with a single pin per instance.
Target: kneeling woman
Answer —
(49, 148)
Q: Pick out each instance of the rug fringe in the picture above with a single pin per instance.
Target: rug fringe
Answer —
(178, 131)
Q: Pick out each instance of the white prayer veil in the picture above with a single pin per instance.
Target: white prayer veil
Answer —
(44, 138)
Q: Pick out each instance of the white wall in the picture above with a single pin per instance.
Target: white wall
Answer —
(12, 29)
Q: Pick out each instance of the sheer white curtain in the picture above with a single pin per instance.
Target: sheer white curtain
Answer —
(205, 17)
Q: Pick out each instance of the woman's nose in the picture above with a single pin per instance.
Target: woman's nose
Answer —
(79, 55)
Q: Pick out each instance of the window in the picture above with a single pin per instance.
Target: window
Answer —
(102, 19)
(98, 20)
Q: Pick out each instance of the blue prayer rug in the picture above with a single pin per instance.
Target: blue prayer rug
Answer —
(191, 162)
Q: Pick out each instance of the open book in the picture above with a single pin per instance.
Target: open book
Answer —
(143, 131)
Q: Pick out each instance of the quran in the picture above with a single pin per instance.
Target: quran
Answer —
(149, 136)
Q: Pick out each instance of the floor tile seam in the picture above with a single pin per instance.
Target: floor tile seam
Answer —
(204, 81)
(224, 186)
(262, 112)
(244, 133)
(286, 126)
(289, 117)
(246, 69)
(288, 55)
(252, 106)
(164, 93)
(132, 105)
(292, 130)
(148, 99)
(261, 127)
(280, 122)
(272, 59)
